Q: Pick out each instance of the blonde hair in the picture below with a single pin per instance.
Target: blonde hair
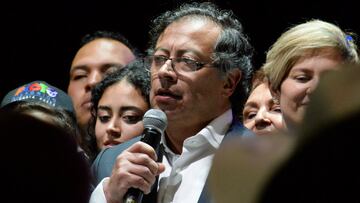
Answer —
(313, 35)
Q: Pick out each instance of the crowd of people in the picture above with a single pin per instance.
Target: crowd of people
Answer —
(227, 121)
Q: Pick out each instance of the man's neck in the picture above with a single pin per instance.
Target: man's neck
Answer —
(177, 133)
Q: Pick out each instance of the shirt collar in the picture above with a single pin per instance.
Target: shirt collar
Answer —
(214, 132)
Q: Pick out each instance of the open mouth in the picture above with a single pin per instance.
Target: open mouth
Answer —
(167, 93)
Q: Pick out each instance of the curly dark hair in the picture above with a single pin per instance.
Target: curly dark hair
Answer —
(232, 49)
(136, 73)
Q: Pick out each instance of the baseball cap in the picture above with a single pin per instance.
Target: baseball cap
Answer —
(40, 91)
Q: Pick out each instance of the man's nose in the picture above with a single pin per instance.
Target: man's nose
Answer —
(93, 79)
(166, 74)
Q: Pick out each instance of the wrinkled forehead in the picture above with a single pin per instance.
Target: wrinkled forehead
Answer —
(189, 33)
(195, 22)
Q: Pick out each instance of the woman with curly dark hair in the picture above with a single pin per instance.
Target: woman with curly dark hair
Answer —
(118, 105)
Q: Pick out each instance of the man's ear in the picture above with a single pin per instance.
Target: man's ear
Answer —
(233, 77)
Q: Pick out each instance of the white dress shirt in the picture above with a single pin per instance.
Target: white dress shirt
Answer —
(185, 175)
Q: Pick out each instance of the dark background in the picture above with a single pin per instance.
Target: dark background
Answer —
(39, 39)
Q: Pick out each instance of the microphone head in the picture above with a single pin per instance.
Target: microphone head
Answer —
(155, 118)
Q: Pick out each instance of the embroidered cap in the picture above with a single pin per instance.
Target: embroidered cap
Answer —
(40, 91)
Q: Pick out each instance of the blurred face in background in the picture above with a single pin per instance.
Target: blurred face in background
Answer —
(261, 113)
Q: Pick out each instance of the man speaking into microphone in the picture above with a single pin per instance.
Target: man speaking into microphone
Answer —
(200, 65)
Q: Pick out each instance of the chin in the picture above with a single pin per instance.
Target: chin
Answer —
(166, 107)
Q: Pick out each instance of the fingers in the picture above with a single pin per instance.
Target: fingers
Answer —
(135, 167)
(142, 147)
(141, 167)
(138, 173)
(161, 168)
(140, 154)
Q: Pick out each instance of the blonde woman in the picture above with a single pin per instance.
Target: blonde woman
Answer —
(296, 60)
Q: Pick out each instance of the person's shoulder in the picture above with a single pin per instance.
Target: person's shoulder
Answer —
(237, 129)
(115, 150)
(109, 154)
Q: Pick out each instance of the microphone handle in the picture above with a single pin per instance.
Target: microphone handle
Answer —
(152, 137)
(133, 196)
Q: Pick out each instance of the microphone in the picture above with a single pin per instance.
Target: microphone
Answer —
(155, 123)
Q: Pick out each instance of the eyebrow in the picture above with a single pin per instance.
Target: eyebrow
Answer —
(251, 104)
(306, 70)
(80, 67)
(122, 109)
(181, 51)
(161, 49)
(108, 65)
(130, 108)
(104, 108)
